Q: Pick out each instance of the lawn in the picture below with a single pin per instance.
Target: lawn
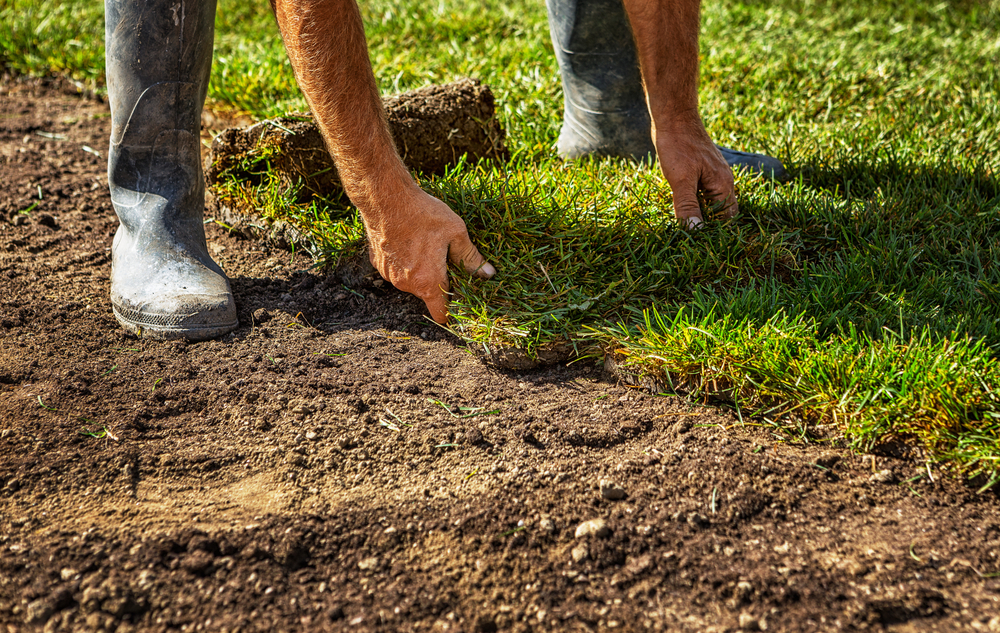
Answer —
(857, 304)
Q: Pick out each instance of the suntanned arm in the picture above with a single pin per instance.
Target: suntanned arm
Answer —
(411, 234)
(666, 36)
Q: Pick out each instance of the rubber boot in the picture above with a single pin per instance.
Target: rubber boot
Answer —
(604, 106)
(164, 284)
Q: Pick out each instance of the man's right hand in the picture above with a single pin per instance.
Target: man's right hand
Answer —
(412, 244)
(412, 235)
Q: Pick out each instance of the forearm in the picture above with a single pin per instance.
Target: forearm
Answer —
(666, 36)
(326, 45)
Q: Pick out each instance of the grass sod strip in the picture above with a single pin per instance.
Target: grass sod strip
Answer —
(870, 350)
(864, 295)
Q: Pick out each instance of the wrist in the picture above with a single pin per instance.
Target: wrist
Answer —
(675, 125)
(675, 117)
(382, 194)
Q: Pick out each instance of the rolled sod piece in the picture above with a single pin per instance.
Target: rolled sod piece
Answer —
(433, 128)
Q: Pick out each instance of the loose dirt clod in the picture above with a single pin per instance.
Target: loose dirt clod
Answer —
(433, 128)
(368, 564)
(611, 491)
(594, 527)
(884, 476)
(748, 622)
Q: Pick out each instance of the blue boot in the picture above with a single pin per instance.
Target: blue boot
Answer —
(164, 284)
(605, 111)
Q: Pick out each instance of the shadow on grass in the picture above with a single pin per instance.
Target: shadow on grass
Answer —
(863, 176)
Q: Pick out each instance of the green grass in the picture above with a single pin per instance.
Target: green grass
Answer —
(857, 304)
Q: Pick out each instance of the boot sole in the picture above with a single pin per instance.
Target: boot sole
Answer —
(169, 327)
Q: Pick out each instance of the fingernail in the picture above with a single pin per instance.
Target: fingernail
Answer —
(488, 270)
(692, 222)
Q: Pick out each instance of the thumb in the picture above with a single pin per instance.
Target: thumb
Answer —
(463, 252)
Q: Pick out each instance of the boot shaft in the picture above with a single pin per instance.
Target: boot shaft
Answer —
(596, 53)
(151, 42)
(158, 56)
(604, 104)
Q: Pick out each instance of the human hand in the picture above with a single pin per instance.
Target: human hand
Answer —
(412, 243)
(691, 162)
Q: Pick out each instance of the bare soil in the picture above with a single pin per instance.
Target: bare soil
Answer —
(299, 474)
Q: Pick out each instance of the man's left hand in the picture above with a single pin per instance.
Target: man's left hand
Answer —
(691, 163)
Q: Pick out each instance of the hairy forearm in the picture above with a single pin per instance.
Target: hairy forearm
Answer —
(666, 36)
(326, 45)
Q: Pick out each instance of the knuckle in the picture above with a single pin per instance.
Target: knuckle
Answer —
(426, 286)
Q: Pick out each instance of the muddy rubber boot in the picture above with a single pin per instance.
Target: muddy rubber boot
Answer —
(164, 284)
(604, 106)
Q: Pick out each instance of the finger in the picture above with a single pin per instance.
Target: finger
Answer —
(437, 303)
(686, 207)
(463, 252)
(720, 191)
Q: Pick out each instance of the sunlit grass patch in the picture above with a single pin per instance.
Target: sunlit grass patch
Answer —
(323, 223)
(939, 392)
(876, 315)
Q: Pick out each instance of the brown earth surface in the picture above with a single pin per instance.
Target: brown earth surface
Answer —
(295, 475)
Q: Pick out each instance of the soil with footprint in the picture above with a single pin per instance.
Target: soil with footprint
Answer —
(340, 463)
